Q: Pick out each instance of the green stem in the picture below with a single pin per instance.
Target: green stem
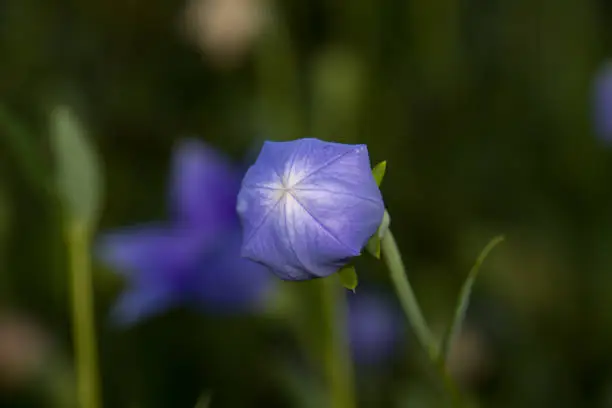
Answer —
(84, 337)
(337, 358)
(393, 259)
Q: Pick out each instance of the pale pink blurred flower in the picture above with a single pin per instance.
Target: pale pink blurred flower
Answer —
(470, 358)
(24, 347)
(225, 30)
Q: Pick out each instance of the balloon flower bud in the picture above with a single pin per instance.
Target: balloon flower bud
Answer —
(307, 207)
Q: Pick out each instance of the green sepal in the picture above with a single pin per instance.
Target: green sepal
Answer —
(379, 172)
(348, 277)
(373, 245)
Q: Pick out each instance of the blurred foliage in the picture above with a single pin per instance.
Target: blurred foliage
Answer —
(480, 108)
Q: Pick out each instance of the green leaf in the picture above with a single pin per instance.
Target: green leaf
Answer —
(21, 143)
(348, 277)
(379, 172)
(373, 245)
(464, 299)
(77, 168)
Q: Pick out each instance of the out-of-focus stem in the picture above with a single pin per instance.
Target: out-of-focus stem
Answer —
(279, 102)
(393, 259)
(337, 358)
(78, 238)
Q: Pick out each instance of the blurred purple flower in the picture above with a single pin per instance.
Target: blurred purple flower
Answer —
(194, 258)
(603, 103)
(376, 328)
(308, 206)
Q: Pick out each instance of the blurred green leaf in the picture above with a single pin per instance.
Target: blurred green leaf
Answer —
(464, 299)
(78, 173)
(348, 277)
(379, 172)
(20, 143)
(304, 390)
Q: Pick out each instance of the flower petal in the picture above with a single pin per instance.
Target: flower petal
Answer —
(228, 282)
(203, 187)
(603, 102)
(159, 264)
(375, 327)
(265, 238)
(293, 161)
(312, 156)
(294, 244)
(140, 303)
(134, 249)
(344, 198)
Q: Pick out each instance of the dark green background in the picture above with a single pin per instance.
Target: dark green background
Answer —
(482, 110)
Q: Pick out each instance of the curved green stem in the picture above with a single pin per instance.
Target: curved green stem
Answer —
(83, 315)
(393, 259)
(338, 365)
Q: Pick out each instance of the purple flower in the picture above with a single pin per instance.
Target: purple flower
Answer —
(308, 206)
(376, 328)
(603, 103)
(194, 258)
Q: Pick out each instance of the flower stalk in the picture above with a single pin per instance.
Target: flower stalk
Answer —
(337, 358)
(78, 238)
(392, 257)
